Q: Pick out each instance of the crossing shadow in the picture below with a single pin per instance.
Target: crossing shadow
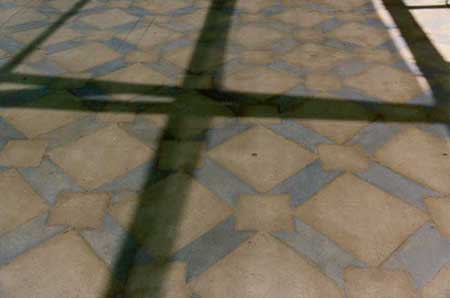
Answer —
(163, 198)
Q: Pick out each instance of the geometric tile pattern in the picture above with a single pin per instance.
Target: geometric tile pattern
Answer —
(278, 206)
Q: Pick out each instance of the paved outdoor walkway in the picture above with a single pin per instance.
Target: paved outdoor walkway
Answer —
(224, 149)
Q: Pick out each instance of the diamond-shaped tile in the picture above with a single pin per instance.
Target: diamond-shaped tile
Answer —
(19, 203)
(387, 83)
(344, 5)
(146, 38)
(361, 218)
(264, 267)
(256, 37)
(260, 80)
(322, 82)
(343, 157)
(163, 6)
(261, 158)
(82, 58)
(316, 57)
(264, 213)
(375, 283)
(362, 35)
(100, 157)
(80, 210)
(170, 215)
(420, 156)
(303, 17)
(36, 121)
(136, 74)
(65, 266)
(108, 19)
(23, 153)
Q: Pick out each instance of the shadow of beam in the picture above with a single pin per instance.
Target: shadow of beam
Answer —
(159, 214)
(162, 200)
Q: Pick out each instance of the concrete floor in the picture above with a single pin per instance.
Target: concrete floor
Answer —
(200, 148)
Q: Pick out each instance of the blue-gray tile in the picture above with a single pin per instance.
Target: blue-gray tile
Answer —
(134, 180)
(374, 136)
(120, 45)
(306, 183)
(227, 186)
(397, 185)
(300, 134)
(72, 132)
(107, 67)
(327, 255)
(48, 180)
(25, 237)
(217, 136)
(422, 255)
(211, 247)
(144, 131)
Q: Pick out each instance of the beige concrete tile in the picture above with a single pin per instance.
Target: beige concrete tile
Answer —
(134, 74)
(315, 56)
(61, 35)
(420, 156)
(23, 153)
(148, 37)
(80, 210)
(303, 17)
(166, 217)
(81, 58)
(112, 117)
(342, 6)
(387, 83)
(439, 209)
(439, 287)
(100, 157)
(376, 55)
(33, 122)
(183, 56)
(255, 37)
(168, 280)
(267, 213)
(377, 283)
(260, 80)
(25, 15)
(142, 56)
(323, 82)
(19, 203)
(163, 6)
(253, 6)
(109, 19)
(261, 158)
(61, 267)
(361, 218)
(362, 35)
(257, 57)
(264, 267)
(309, 35)
(339, 131)
(343, 157)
